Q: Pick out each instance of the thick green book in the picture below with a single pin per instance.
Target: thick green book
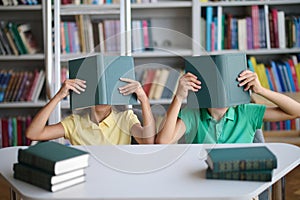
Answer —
(253, 175)
(30, 173)
(53, 158)
(52, 187)
(241, 159)
(102, 75)
(218, 75)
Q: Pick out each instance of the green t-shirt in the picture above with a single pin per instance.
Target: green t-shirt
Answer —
(237, 126)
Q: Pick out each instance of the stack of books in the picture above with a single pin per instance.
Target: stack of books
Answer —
(51, 165)
(254, 163)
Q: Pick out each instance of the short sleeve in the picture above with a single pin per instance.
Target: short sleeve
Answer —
(190, 118)
(69, 125)
(256, 113)
(129, 119)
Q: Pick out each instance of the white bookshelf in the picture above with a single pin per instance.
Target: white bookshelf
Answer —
(37, 17)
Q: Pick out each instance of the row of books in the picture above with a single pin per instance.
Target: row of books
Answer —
(204, 1)
(93, 2)
(280, 76)
(19, 2)
(13, 131)
(144, 1)
(288, 125)
(16, 86)
(101, 2)
(17, 39)
(241, 163)
(51, 165)
(87, 35)
(159, 83)
(262, 28)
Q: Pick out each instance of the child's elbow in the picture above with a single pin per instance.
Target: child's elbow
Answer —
(30, 135)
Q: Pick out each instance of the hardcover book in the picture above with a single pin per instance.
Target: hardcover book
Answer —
(53, 157)
(55, 187)
(102, 75)
(218, 75)
(251, 175)
(32, 174)
(241, 159)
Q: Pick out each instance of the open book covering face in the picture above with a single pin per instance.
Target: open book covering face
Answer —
(102, 75)
(218, 75)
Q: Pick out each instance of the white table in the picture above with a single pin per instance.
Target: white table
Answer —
(152, 172)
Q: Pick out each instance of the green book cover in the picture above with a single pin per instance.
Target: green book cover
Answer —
(51, 187)
(218, 75)
(53, 157)
(241, 159)
(35, 175)
(102, 75)
(12, 27)
(253, 175)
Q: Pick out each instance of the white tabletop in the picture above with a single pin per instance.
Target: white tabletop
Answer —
(152, 172)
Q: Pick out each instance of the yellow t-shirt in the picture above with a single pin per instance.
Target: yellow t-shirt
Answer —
(114, 129)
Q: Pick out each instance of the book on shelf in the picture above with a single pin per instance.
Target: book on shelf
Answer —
(241, 159)
(9, 38)
(102, 75)
(251, 175)
(28, 38)
(13, 30)
(218, 75)
(45, 180)
(53, 158)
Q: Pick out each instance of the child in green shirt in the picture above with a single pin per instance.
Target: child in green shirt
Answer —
(223, 125)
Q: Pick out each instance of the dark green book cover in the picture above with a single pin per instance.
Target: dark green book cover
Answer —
(102, 75)
(218, 75)
(53, 157)
(12, 27)
(253, 175)
(32, 174)
(241, 159)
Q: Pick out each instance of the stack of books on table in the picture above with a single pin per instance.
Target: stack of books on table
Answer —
(254, 163)
(51, 165)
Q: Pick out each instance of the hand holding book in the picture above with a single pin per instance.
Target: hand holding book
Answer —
(187, 82)
(249, 80)
(131, 87)
(76, 85)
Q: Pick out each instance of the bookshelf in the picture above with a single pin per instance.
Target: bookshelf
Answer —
(16, 106)
(177, 30)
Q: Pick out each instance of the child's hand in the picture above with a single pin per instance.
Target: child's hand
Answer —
(132, 87)
(249, 80)
(187, 82)
(75, 85)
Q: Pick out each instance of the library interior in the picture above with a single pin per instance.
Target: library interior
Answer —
(45, 43)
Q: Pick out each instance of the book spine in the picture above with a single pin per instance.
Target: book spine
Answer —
(38, 162)
(32, 181)
(102, 93)
(263, 175)
(32, 175)
(267, 164)
(209, 18)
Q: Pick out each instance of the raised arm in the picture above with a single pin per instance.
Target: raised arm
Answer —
(38, 130)
(172, 127)
(143, 134)
(285, 107)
